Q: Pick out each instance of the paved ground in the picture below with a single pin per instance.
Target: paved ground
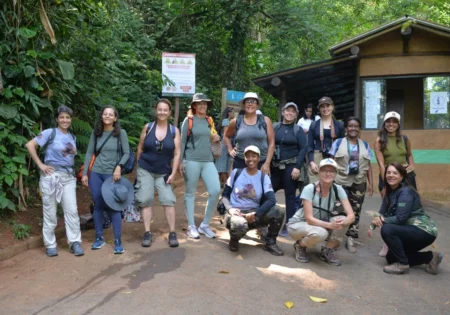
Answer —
(203, 277)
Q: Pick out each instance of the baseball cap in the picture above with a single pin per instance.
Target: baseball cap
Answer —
(252, 148)
(325, 100)
(329, 162)
(290, 104)
(392, 115)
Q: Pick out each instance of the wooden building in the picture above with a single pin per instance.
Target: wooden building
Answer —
(402, 66)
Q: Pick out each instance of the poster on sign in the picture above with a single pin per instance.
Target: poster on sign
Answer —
(438, 103)
(178, 74)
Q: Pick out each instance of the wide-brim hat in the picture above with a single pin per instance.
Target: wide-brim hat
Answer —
(251, 95)
(392, 115)
(118, 195)
(200, 97)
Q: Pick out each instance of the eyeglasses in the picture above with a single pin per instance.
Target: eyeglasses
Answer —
(159, 146)
(328, 172)
(250, 101)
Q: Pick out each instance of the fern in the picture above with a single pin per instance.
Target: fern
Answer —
(80, 127)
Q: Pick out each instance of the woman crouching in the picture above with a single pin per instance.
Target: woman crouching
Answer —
(326, 215)
(405, 226)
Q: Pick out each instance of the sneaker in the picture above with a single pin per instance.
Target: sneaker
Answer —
(383, 252)
(147, 239)
(273, 249)
(432, 267)
(300, 253)
(206, 230)
(76, 249)
(118, 248)
(51, 252)
(350, 245)
(283, 232)
(173, 241)
(99, 243)
(233, 245)
(327, 255)
(396, 269)
(192, 232)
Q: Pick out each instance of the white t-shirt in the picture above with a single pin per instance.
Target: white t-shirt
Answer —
(306, 123)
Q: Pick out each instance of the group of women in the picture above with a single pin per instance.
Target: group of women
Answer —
(335, 159)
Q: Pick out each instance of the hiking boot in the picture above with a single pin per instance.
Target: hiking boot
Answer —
(350, 245)
(383, 252)
(262, 233)
(432, 267)
(327, 255)
(118, 248)
(147, 239)
(99, 243)
(51, 252)
(283, 232)
(233, 245)
(173, 241)
(206, 230)
(300, 253)
(396, 269)
(192, 232)
(273, 249)
(76, 249)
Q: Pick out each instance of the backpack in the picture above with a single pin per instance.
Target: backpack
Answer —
(50, 141)
(221, 207)
(260, 121)
(277, 126)
(150, 127)
(129, 164)
(191, 125)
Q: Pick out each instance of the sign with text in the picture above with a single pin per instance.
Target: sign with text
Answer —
(178, 72)
(233, 97)
(438, 103)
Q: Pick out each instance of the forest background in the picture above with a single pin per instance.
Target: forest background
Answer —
(86, 54)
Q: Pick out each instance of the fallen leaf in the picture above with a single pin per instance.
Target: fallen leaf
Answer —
(434, 246)
(289, 305)
(126, 292)
(224, 272)
(358, 296)
(447, 303)
(109, 242)
(318, 300)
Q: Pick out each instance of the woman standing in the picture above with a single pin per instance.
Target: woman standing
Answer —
(405, 226)
(290, 149)
(319, 219)
(104, 143)
(308, 118)
(321, 135)
(223, 162)
(353, 156)
(251, 129)
(159, 144)
(391, 146)
(57, 181)
(196, 138)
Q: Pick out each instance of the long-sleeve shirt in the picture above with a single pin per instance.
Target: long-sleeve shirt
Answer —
(110, 155)
(404, 207)
(314, 143)
(290, 145)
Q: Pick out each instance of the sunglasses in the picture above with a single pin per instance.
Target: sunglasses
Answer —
(159, 146)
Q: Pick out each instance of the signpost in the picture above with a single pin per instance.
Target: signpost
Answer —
(178, 72)
(231, 98)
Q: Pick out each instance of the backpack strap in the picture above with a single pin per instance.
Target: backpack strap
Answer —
(261, 122)
(150, 126)
(50, 139)
(276, 126)
(235, 177)
(405, 140)
(296, 129)
(238, 122)
(173, 131)
(336, 195)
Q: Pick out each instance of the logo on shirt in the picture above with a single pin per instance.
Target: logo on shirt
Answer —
(69, 149)
(248, 191)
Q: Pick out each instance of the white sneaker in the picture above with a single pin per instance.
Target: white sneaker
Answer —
(192, 231)
(206, 230)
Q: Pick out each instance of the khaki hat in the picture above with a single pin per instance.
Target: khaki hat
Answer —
(252, 148)
(392, 115)
(325, 100)
(200, 97)
(251, 95)
(328, 162)
(289, 105)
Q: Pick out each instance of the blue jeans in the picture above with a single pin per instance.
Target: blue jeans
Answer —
(95, 185)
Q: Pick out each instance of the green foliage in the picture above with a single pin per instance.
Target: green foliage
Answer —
(20, 231)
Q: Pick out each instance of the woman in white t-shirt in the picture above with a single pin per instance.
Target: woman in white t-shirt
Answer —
(307, 118)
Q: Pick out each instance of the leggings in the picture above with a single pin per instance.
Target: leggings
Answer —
(208, 172)
(282, 179)
(95, 185)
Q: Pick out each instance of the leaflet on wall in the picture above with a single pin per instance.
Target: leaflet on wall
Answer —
(373, 89)
(438, 102)
(178, 72)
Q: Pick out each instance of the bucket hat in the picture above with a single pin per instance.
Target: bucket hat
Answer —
(251, 95)
(117, 195)
(200, 97)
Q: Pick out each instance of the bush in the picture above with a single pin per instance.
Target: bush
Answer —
(20, 231)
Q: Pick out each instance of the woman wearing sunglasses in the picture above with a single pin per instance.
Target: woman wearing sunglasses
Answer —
(159, 144)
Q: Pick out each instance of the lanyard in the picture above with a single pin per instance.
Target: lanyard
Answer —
(320, 202)
(348, 147)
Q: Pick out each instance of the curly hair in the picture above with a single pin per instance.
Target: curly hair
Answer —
(382, 133)
(98, 128)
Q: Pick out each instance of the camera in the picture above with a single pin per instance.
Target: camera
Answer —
(354, 170)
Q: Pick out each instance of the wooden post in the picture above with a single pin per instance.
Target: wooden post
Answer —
(177, 112)
(357, 107)
(224, 100)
